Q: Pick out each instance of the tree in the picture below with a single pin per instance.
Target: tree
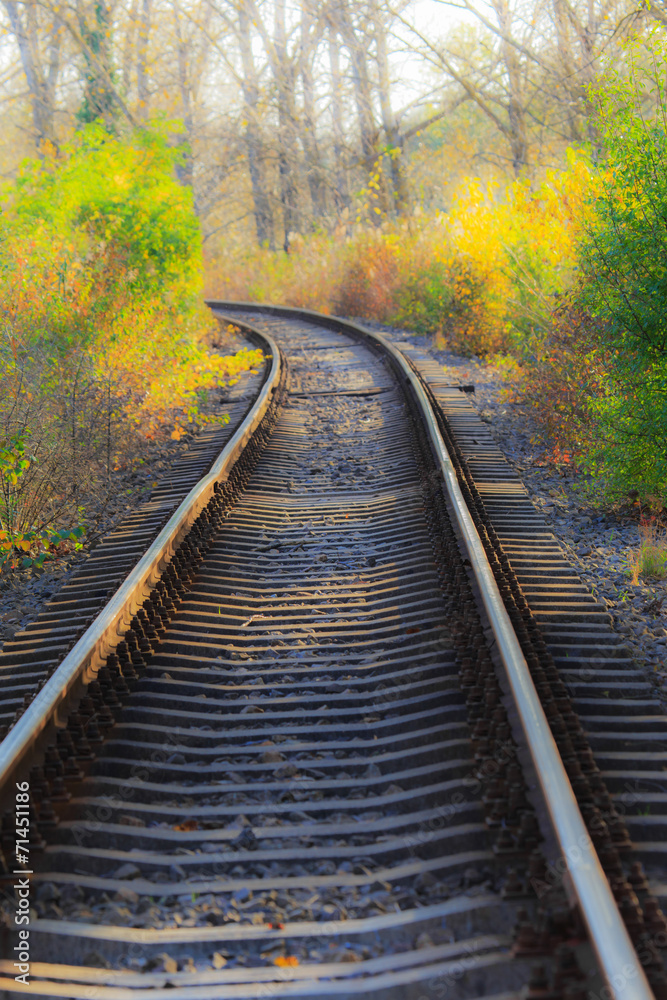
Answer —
(252, 130)
(393, 138)
(534, 64)
(288, 110)
(98, 94)
(311, 35)
(38, 36)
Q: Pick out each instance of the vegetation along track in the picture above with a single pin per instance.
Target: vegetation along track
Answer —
(316, 764)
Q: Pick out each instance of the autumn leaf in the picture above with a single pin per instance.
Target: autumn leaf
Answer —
(187, 826)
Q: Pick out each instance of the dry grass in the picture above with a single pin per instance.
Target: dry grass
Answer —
(650, 560)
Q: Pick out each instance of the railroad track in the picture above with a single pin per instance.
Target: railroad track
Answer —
(310, 748)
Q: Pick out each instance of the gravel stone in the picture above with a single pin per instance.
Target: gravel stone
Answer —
(128, 870)
(599, 539)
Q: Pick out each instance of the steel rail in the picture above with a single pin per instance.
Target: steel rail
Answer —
(83, 661)
(618, 961)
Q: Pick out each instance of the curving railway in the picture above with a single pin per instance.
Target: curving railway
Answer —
(332, 717)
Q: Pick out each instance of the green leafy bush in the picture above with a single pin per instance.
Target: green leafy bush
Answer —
(118, 199)
(623, 280)
(425, 298)
(103, 335)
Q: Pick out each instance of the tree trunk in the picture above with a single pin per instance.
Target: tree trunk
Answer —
(41, 83)
(517, 134)
(252, 135)
(362, 88)
(99, 99)
(566, 70)
(129, 47)
(287, 162)
(309, 134)
(143, 33)
(341, 190)
(394, 142)
(185, 171)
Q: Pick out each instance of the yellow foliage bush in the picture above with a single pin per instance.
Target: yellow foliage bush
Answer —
(483, 276)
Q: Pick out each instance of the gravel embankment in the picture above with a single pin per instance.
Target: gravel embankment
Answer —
(23, 594)
(600, 541)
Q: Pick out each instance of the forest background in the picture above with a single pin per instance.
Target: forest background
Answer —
(488, 172)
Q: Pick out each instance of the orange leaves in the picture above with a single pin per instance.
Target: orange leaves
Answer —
(187, 826)
(286, 961)
(373, 271)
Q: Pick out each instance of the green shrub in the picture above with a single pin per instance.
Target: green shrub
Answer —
(425, 298)
(103, 335)
(118, 197)
(623, 281)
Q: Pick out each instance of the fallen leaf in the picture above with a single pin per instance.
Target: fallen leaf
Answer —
(185, 827)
